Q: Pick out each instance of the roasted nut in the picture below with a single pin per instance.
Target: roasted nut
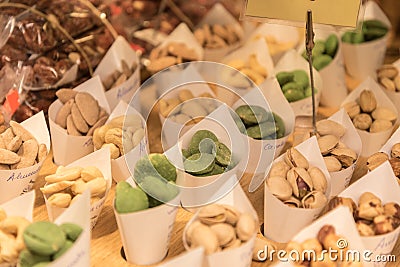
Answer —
(212, 214)
(376, 160)
(328, 127)
(279, 169)
(88, 106)
(318, 179)
(300, 181)
(362, 121)
(388, 71)
(245, 227)
(279, 187)
(364, 229)
(395, 151)
(314, 200)
(342, 201)
(332, 164)
(61, 200)
(224, 232)
(262, 244)
(346, 156)
(205, 237)
(380, 126)
(367, 101)
(352, 109)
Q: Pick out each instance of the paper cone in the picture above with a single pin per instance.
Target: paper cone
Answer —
(235, 257)
(197, 191)
(287, 36)
(193, 258)
(362, 60)
(20, 206)
(394, 96)
(16, 182)
(79, 254)
(120, 50)
(101, 160)
(394, 139)
(279, 218)
(372, 142)
(263, 152)
(382, 183)
(219, 15)
(144, 245)
(293, 61)
(341, 179)
(333, 75)
(68, 148)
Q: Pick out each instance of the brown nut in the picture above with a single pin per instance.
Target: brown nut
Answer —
(114, 136)
(388, 71)
(352, 109)
(367, 101)
(362, 121)
(64, 95)
(364, 229)
(380, 126)
(78, 119)
(71, 128)
(395, 151)
(88, 106)
(376, 160)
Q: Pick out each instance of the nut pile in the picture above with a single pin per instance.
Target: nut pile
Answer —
(366, 114)
(323, 52)
(260, 124)
(371, 30)
(295, 84)
(371, 215)
(250, 67)
(169, 55)
(117, 78)
(337, 155)
(275, 46)
(378, 158)
(296, 183)
(120, 135)
(220, 227)
(11, 237)
(217, 36)
(46, 241)
(389, 78)
(19, 148)
(80, 113)
(3, 125)
(187, 109)
(68, 183)
(206, 156)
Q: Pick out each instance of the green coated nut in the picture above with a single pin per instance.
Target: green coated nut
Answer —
(319, 48)
(280, 126)
(159, 189)
(223, 154)
(294, 95)
(72, 230)
(28, 259)
(252, 114)
(292, 85)
(374, 33)
(357, 38)
(129, 199)
(301, 77)
(186, 153)
(44, 238)
(308, 92)
(373, 23)
(198, 137)
(42, 264)
(322, 61)
(199, 163)
(163, 166)
(217, 170)
(262, 130)
(239, 123)
(331, 45)
(284, 77)
(347, 37)
(68, 244)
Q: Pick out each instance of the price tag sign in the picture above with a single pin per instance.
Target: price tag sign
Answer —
(338, 12)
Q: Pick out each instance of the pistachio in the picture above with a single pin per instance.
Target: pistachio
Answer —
(224, 232)
(279, 187)
(395, 151)
(327, 143)
(376, 160)
(381, 113)
(246, 227)
(212, 214)
(232, 214)
(300, 181)
(380, 126)
(205, 237)
(362, 121)
(292, 202)
(295, 159)
(388, 71)
(314, 200)
(235, 243)
(352, 109)
(261, 244)
(346, 156)
(279, 169)
(388, 84)
(328, 127)
(367, 101)
(318, 179)
(332, 164)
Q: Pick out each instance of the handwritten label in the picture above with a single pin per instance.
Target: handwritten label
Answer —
(387, 243)
(22, 175)
(77, 258)
(88, 143)
(271, 146)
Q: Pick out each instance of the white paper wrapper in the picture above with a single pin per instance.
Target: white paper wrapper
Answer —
(333, 75)
(145, 234)
(382, 183)
(68, 148)
(279, 218)
(372, 142)
(193, 258)
(219, 15)
(16, 182)
(362, 60)
(120, 50)
(197, 191)
(288, 36)
(263, 152)
(341, 179)
(394, 96)
(235, 257)
(119, 167)
(79, 254)
(20, 206)
(394, 139)
(101, 160)
(293, 61)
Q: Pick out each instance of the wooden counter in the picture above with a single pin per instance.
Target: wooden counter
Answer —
(106, 243)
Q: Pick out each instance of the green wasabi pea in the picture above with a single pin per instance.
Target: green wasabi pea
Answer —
(223, 154)
(280, 126)
(322, 61)
(294, 95)
(129, 199)
(284, 77)
(28, 259)
(371, 30)
(262, 130)
(186, 153)
(68, 244)
(331, 45)
(252, 114)
(44, 238)
(163, 166)
(374, 33)
(199, 163)
(72, 230)
(292, 85)
(301, 77)
(319, 48)
(357, 38)
(308, 91)
(159, 189)
(373, 23)
(347, 37)
(217, 170)
(207, 145)
(42, 264)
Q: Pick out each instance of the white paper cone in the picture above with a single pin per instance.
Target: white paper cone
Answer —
(219, 15)
(143, 243)
(192, 258)
(293, 61)
(101, 160)
(362, 60)
(394, 139)
(382, 183)
(68, 148)
(341, 179)
(16, 182)
(21, 205)
(235, 257)
(79, 254)
(279, 218)
(394, 96)
(372, 142)
(197, 191)
(120, 50)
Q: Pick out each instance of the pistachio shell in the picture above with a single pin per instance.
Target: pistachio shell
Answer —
(352, 109)
(367, 101)
(376, 160)
(232, 214)
(328, 127)
(212, 214)
(224, 232)
(314, 200)
(235, 243)
(346, 156)
(293, 178)
(246, 227)
(279, 169)
(295, 159)
(318, 179)
(203, 236)
(260, 244)
(380, 126)
(292, 202)
(190, 229)
(388, 71)
(327, 143)
(332, 164)
(279, 187)
(395, 151)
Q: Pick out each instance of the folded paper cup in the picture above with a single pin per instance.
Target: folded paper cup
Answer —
(120, 50)
(341, 179)
(263, 152)
(394, 139)
(394, 96)
(362, 60)
(16, 182)
(197, 191)
(79, 254)
(219, 15)
(333, 75)
(293, 61)
(68, 148)
(235, 257)
(279, 38)
(372, 142)
(279, 218)
(382, 183)
(101, 160)
(146, 234)
(194, 258)
(21, 205)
